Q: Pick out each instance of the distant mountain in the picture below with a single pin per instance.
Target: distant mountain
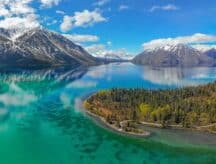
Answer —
(40, 48)
(173, 55)
(114, 57)
(211, 53)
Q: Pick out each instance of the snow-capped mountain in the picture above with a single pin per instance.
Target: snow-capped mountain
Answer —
(12, 33)
(114, 55)
(173, 55)
(40, 48)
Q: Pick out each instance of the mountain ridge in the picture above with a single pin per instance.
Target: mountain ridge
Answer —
(173, 55)
(40, 47)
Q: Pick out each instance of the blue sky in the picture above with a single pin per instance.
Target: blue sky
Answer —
(122, 26)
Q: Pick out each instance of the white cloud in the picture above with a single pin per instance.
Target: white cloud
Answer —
(167, 7)
(52, 22)
(21, 7)
(17, 22)
(18, 14)
(15, 7)
(101, 2)
(81, 19)
(3, 11)
(204, 47)
(82, 38)
(60, 12)
(197, 38)
(123, 7)
(49, 3)
(109, 43)
(67, 23)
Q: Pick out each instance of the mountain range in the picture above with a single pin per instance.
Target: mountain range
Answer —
(115, 56)
(39, 47)
(175, 55)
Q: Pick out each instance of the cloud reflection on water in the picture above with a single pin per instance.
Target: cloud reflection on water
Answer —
(15, 96)
(82, 84)
(177, 76)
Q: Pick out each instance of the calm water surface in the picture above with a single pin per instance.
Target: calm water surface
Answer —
(40, 121)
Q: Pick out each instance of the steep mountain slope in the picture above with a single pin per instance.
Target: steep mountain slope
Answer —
(173, 55)
(211, 53)
(40, 48)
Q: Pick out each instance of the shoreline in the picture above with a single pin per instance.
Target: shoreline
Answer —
(179, 127)
(102, 122)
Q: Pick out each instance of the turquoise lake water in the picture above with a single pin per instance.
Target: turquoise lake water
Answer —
(41, 122)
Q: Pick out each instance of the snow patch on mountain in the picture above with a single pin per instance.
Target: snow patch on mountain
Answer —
(13, 33)
(175, 48)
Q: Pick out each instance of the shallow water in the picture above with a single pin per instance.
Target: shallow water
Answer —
(41, 123)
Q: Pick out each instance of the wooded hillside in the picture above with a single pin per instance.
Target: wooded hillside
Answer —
(188, 107)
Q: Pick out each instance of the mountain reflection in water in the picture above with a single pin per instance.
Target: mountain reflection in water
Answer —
(178, 76)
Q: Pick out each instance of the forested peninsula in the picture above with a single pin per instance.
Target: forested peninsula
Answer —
(184, 108)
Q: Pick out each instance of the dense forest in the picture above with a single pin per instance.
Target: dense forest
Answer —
(188, 107)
